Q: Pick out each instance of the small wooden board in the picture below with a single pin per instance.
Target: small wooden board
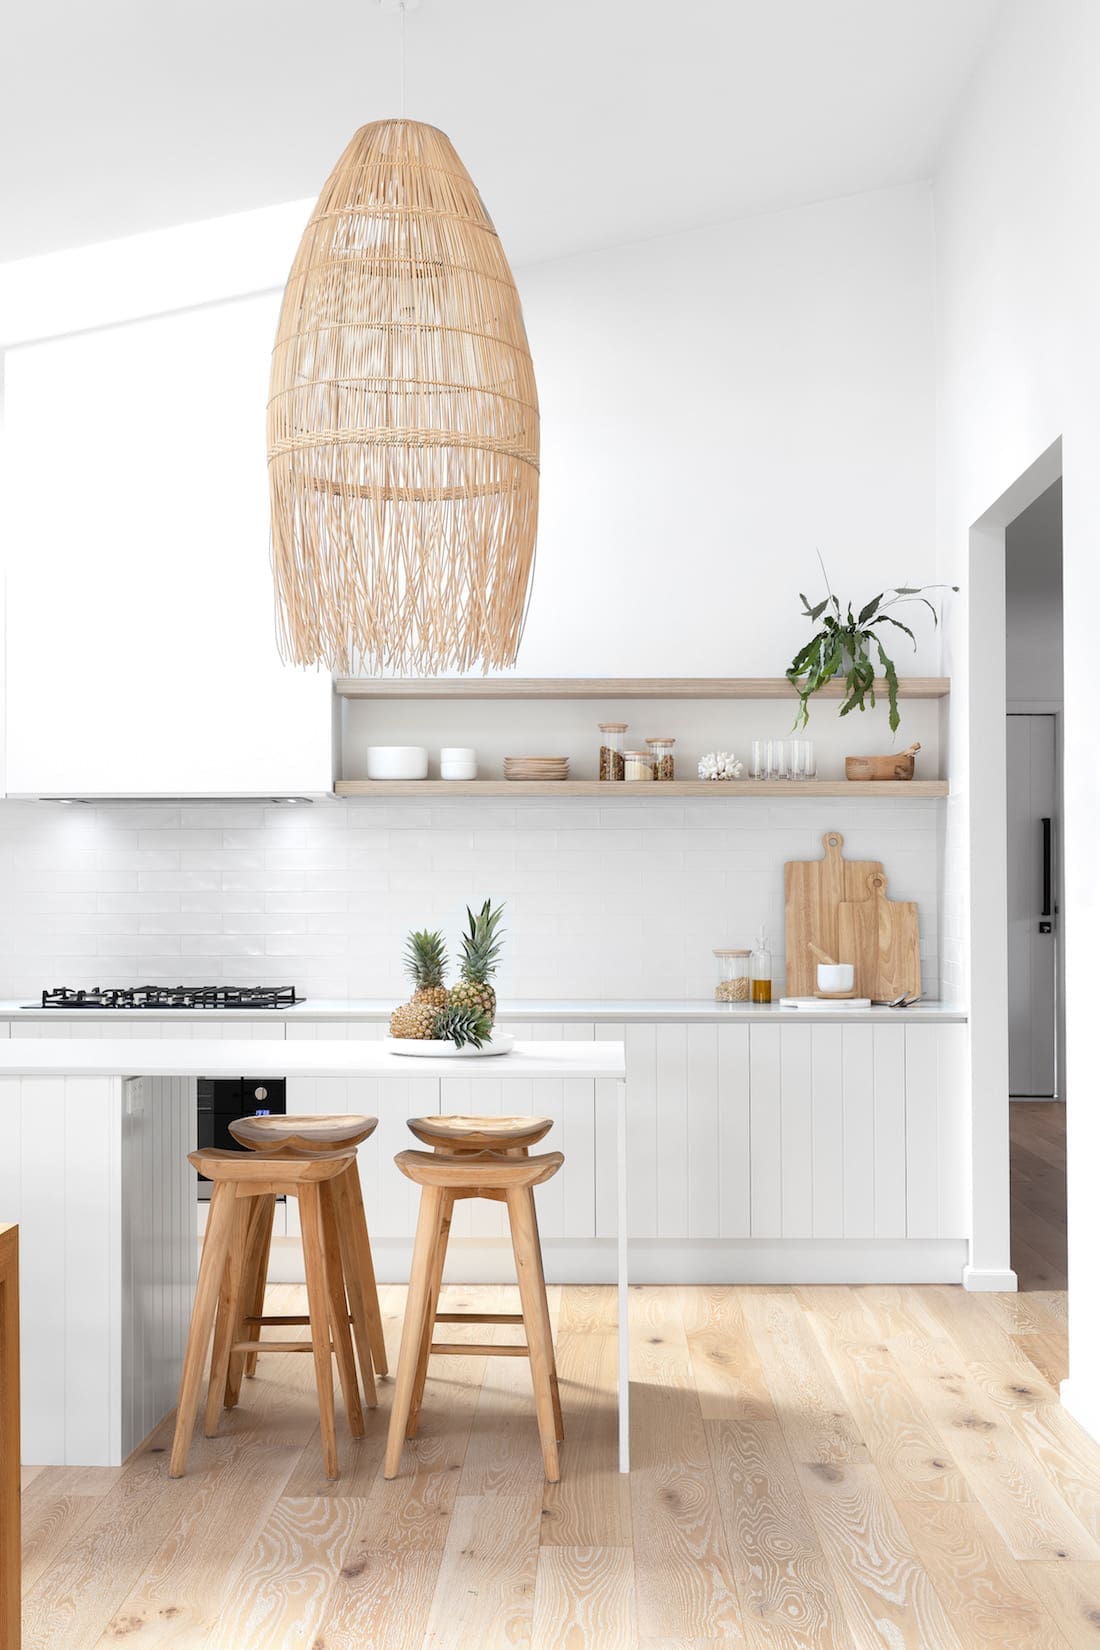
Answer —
(813, 891)
(881, 937)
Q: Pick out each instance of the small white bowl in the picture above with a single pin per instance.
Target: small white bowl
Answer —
(457, 762)
(835, 977)
(397, 762)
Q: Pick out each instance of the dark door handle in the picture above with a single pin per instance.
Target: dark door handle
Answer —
(1045, 912)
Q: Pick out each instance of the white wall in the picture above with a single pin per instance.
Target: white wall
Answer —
(716, 407)
(619, 899)
(1019, 247)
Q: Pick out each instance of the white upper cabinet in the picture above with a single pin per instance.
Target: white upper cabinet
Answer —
(141, 652)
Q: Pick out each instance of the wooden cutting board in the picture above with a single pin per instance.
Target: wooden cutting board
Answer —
(813, 892)
(882, 937)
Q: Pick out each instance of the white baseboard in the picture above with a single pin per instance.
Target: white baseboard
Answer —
(752, 1261)
(989, 1280)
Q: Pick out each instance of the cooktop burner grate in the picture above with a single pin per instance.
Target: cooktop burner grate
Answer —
(172, 996)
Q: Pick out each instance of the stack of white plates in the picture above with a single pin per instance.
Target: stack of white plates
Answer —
(536, 767)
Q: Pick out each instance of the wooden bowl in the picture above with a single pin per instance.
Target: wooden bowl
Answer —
(898, 766)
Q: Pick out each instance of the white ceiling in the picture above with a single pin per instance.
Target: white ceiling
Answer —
(584, 122)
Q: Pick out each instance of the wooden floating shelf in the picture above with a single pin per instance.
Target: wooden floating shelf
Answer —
(647, 791)
(612, 687)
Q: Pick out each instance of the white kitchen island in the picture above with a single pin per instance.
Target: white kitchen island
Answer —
(94, 1170)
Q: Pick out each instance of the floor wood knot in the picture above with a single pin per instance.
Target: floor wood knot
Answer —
(826, 1471)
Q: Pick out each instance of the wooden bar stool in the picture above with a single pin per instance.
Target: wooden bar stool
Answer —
(483, 1157)
(242, 1183)
(315, 1136)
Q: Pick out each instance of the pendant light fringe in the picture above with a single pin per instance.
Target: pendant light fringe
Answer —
(403, 424)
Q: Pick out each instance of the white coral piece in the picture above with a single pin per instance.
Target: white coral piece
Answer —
(720, 765)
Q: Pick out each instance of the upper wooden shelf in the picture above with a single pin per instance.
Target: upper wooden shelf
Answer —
(611, 687)
(647, 791)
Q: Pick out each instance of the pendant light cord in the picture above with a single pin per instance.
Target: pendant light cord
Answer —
(403, 16)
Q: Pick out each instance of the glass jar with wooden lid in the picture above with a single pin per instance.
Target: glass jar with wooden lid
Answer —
(664, 763)
(612, 765)
(733, 975)
(637, 766)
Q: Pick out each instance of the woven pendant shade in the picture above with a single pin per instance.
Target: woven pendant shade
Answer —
(403, 425)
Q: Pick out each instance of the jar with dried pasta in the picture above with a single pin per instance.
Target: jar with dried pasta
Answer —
(733, 975)
(664, 762)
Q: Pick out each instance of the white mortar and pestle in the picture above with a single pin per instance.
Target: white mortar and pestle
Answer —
(833, 979)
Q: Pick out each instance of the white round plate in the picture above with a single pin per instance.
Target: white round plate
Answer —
(431, 1048)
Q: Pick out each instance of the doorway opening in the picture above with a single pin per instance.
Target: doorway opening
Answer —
(1036, 1021)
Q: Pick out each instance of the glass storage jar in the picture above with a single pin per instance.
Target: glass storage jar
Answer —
(612, 765)
(664, 763)
(733, 976)
(637, 765)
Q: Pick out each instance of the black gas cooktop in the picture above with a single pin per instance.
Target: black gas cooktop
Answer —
(171, 996)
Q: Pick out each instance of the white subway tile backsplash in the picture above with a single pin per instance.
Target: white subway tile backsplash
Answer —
(620, 898)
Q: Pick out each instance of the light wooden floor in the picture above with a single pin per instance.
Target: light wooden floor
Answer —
(1038, 1165)
(825, 1468)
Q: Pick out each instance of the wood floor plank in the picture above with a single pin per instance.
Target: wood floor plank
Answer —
(819, 1428)
(590, 1505)
(589, 1309)
(485, 1590)
(683, 1573)
(788, 1600)
(584, 1596)
(983, 1588)
(908, 1451)
(381, 1599)
(1070, 1593)
(888, 1599)
(288, 1576)
(51, 1518)
(728, 1376)
(1047, 1354)
(1032, 1518)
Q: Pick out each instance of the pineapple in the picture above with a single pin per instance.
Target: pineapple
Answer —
(480, 955)
(426, 963)
(463, 1025)
(413, 1020)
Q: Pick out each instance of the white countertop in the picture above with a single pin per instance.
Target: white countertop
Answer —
(312, 1057)
(378, 1009)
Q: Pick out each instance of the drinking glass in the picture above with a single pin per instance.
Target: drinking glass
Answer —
(758, 767)
(777, 759)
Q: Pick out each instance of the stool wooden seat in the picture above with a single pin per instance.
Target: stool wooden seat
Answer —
(480, 1134)
(245, 1185)
(316, 1135)
(509, 1175)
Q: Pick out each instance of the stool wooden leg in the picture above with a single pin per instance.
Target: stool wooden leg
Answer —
(338, 1312)
(253, 1283)
(313, 1251)
(357, 1217)
(263, 1261)
(215, 1248)
(559, 1425)
(412, 1425)
(358, 1291)
(536, 1322)
(420, 1278)
(227, 1325)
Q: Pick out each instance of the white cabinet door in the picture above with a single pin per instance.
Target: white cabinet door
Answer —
(141, 640)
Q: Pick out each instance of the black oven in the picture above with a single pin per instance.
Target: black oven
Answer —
(221, 1099)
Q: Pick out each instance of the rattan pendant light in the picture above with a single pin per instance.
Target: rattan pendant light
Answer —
(403, 425)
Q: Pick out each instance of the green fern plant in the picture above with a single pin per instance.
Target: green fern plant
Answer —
(844, 643)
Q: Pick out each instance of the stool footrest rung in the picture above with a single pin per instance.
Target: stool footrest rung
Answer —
(274, 1346)
(479, 1317)
(279, 1322)
(455, 1349)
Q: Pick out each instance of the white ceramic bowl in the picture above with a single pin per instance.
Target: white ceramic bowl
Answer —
(458, 754)
(458, 770)
(835, 976)
(397, 762)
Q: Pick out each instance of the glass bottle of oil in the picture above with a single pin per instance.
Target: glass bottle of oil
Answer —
(760, 970)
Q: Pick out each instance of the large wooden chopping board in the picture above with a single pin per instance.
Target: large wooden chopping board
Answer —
(882, 937)
(813, 892)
